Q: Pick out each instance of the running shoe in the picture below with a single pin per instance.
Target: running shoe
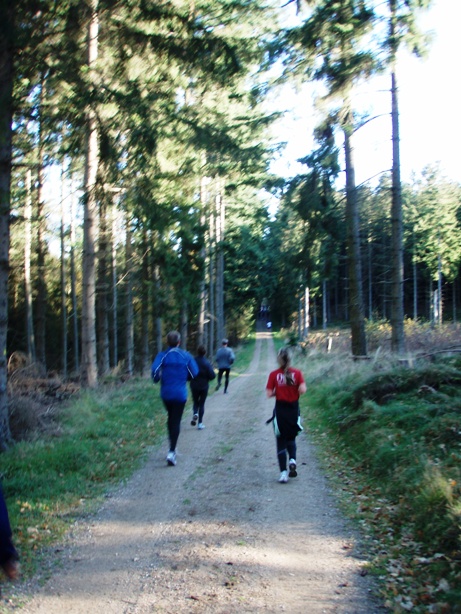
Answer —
(201, 426)
(171, 458)
(283, 479)
(194, 419)
(292, 465)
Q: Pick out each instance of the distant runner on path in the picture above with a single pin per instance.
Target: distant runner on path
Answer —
(225, 359)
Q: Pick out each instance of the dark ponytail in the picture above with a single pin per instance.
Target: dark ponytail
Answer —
(284, 360)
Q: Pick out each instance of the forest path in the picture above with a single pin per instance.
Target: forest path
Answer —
(217, 533)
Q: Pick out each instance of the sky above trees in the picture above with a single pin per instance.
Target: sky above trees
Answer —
(429, 103)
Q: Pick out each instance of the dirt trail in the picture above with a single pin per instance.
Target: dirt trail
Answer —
(217, 533)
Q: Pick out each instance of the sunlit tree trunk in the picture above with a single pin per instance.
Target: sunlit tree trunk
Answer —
(306, 311)
(63, 281)
(114, 302)
(27, 273)
(41, 247)
(220, 324)
(103, 291)
(129, 320)
(202, 290)
(358, 339)
(89, 359)
(145, 292)
(73, 284)
(397, 315)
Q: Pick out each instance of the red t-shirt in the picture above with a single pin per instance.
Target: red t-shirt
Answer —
(283, 392)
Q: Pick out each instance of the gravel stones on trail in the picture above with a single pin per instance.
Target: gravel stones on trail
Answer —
(217, 532)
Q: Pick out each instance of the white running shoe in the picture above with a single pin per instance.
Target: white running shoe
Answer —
(194, 419)
(283, 479)
(292, 466)
(201, 426)
(171, 458)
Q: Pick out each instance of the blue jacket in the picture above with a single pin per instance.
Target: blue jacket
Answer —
(173, 368)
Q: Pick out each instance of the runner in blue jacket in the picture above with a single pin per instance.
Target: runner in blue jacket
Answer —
(173, 368)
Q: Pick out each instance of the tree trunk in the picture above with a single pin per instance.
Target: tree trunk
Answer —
(89, 360)
(306, 311)
(63, 282)
(145, 291)
(6, 119)
(41, 300)
(114, 306)
(202, 289)
(129, 323)
(358, 338)
(73, 283)
(220, 324)
(397, 315)
(324, 304)
(102, 292)
(27, 275)
(184, 330)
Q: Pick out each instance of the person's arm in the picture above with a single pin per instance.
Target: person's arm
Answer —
(302, 384)
(192, 367)
(155, 369)
(270, 386)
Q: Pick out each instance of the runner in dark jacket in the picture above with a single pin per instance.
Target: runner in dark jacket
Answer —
(199, 386)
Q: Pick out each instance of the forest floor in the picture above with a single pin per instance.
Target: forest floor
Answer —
(217, 533)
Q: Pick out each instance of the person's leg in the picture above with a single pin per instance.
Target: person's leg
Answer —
(282, 453)
(175, 411)
(196, 406)
(220, 372)
(291, 449)
(226, 380)
(201, 409)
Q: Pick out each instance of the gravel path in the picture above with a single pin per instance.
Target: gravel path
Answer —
(217, 533)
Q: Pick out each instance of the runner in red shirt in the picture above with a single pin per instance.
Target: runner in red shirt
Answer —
(286, 384)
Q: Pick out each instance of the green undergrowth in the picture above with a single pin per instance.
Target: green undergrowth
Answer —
(391, 440)
(101, 439)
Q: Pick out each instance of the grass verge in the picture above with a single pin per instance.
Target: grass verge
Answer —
(391, 442)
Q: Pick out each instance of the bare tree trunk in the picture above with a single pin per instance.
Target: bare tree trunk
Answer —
(114, 306)
(41, 300)
(89, 359)
(306, 311)
(129, 324)
(158, 310)
(212, 278)
(145, 291)
(358, 338)
(397, 315)
(220, 323)
(27, 274)
(102, 292)
(6, 119)
(202, 289)
(63, 281)
(73, 283)
(184, 331)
